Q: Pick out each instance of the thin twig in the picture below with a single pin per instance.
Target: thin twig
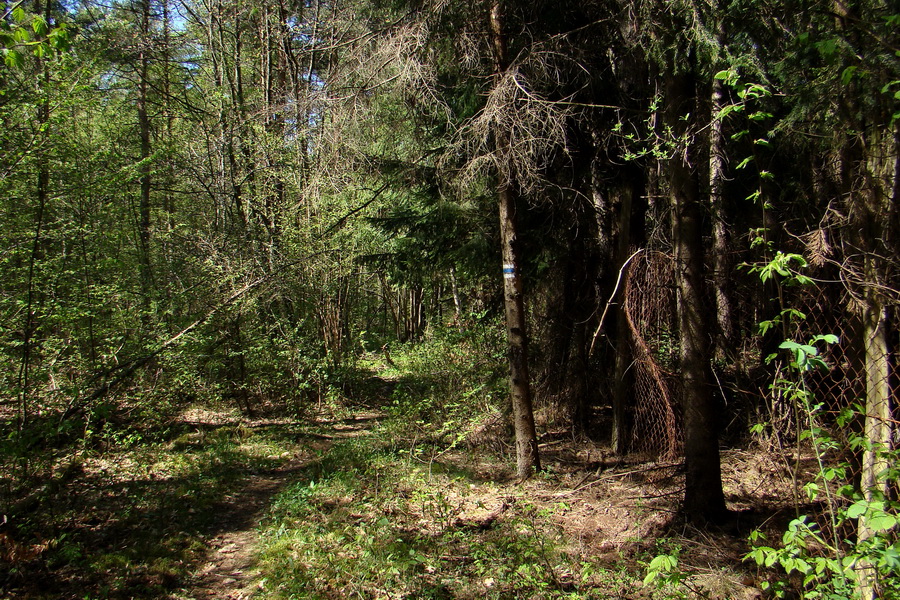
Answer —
(610, 301)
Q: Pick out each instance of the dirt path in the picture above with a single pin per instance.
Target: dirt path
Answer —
(229, 571)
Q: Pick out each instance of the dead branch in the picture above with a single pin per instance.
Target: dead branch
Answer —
(610, 301)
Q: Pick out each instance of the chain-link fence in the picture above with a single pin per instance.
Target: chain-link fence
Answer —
(649, 309)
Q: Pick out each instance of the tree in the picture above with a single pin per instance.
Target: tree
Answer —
(527, 457)
(703, 496)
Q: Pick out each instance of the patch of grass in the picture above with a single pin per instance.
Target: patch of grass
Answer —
(371, 522)
(136, 521)
(446, 385)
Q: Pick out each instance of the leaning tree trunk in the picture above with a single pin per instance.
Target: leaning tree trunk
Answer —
(527, 459)
(703, 497)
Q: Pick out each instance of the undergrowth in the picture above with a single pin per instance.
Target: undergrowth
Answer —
(372, 522)
(135, 517)
(391, 515)
(445, 386)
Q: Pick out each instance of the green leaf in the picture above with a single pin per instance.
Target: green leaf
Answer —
(757, 555)
(812, 490)
(39, 25)
(890, 558)
(793, 313)
(12, 59)
(21, 35)
(744, 162)
(59, 38)
(831, 473)
(857, 509)
(847, 75)
(18, 14)
(827, 48)
(729, 76)
(727, 110)
(664, 563)
(880, 521)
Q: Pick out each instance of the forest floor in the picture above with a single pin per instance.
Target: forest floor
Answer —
(355, 503)
(228, 571)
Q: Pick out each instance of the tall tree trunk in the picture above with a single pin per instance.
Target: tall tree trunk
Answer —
(720, 262)
(703, 496)
(527, 458)
(457, 299)
(146, 271)
(619, 439)
(41, 191)
(873, 207)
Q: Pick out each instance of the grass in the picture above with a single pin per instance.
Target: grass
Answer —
(405, 512)
(136, 520)
(408, 497)
(371, 522)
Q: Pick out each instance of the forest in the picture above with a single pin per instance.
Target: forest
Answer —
(496, 299)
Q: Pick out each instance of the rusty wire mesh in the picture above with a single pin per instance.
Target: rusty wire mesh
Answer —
(649, 311)
(861, 375)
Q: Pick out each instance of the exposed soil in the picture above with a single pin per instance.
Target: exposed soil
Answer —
(228, 571)
(606, 507)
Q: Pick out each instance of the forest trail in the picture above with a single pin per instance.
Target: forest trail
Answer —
(228, 571)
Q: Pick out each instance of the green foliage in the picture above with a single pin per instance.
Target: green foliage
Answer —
(27, 33)
(827, 564)
(449, 382)
(369, 522)
(663, 569)
(806, 356)
(829, 567)
(646, 141)
(782, 264)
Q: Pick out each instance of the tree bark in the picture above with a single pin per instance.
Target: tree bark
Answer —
(703, 498)
(457, 299)
(873, 206)
(619, 439)
(720, 262)
(145, 179)
(527, 458)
